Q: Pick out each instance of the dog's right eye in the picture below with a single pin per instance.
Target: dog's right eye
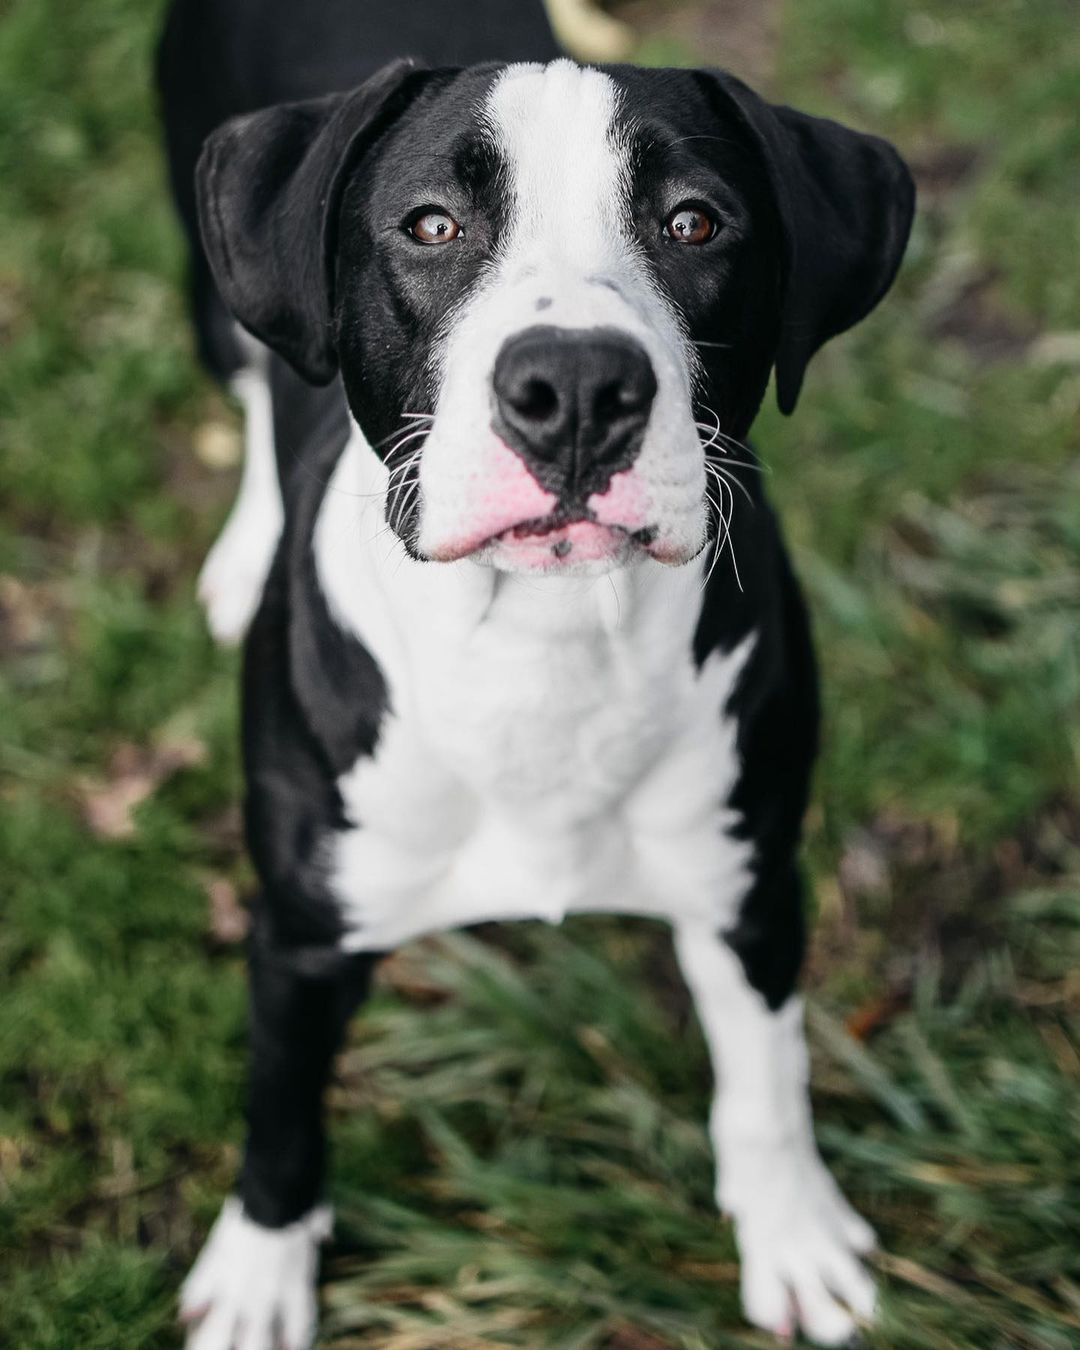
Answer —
(690, 224)
(434, 227)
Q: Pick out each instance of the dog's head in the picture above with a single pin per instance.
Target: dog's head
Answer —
(552, 292)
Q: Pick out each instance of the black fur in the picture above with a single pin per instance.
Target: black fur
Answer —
(222, 58)
(776, 704)
(846, 202)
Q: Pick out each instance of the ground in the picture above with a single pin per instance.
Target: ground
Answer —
(521, 1151)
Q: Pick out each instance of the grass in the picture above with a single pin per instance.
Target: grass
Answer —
(521, 1158)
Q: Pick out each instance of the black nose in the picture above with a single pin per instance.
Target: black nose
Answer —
(574, 404)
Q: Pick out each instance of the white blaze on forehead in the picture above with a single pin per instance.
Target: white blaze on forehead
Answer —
(555, 125)
(568, 257)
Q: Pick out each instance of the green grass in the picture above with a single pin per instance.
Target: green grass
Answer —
(521, 1157)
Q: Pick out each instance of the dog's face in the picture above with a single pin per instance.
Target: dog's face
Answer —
(552, 292)
(530, 258)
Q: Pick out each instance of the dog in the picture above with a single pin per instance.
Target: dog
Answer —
(523, 638)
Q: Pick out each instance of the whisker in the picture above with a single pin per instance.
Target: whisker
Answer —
(377, 445)
(734, 562)
(736, 444)
(718, 541)
(400, 446)
(739, 464)
(725, 539)
(402, 491)
(400, 470)
(413, 417)
(411, 434)
(721, 140)
(395, 485)
(719, 475)
(757, 464)
(725, 437)
(392, 506)
(405, 440)
(713, 414)
(714, 432)
(730, 542)
(708, 445)
(410, 496)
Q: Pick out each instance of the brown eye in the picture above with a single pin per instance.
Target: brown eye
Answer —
(435, 227)
(690, 225)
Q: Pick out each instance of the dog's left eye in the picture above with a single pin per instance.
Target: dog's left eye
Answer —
(435, 227)
(690, 224)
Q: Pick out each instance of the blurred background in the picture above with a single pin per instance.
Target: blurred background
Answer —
(521, 1157)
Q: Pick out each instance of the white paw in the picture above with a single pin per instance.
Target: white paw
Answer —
(232, 578)
(253, 1288)
(799, 1242)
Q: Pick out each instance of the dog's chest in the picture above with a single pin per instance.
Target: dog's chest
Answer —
(547, 747)
(533, 766)
(550, 724)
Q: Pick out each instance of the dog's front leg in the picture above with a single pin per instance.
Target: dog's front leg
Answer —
(254, 1284)
(798, 1238)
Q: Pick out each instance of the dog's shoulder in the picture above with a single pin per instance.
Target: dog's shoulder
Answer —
(333, 679)
(776, 697)
(313, 695)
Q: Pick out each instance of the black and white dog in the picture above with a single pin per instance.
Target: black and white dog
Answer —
(524, 640)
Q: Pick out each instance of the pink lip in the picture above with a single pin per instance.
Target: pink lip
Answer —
(549, 545)
(544, 542)
(514, 521)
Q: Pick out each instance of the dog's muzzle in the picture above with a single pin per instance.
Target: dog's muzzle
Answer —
(574, 405)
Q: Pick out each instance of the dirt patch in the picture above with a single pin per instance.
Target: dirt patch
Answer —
(942, 168)
(740, 35)
(907, 891)
(978, 320)
(135, 772)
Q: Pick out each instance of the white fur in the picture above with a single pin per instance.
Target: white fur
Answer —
(253, 1287)
(550, 745)
(798, 1238)
(569, 242)
(231, 581)
(550, 748)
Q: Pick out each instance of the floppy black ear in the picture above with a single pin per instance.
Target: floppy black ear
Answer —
(846, 202)
(269, 186)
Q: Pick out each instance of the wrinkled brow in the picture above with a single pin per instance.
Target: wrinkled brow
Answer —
(656, 152)
(482, 170)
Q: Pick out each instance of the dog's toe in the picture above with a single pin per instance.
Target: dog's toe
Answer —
(794, 1291)
(766, 1299)
(253, 1288)
(821, 1317)
(214, 1331)
(858, 1234)
(800, 1244)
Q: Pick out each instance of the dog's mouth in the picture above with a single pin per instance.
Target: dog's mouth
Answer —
(558, 542)
(553, 543)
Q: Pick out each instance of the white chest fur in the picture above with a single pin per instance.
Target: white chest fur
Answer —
(550, 746)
